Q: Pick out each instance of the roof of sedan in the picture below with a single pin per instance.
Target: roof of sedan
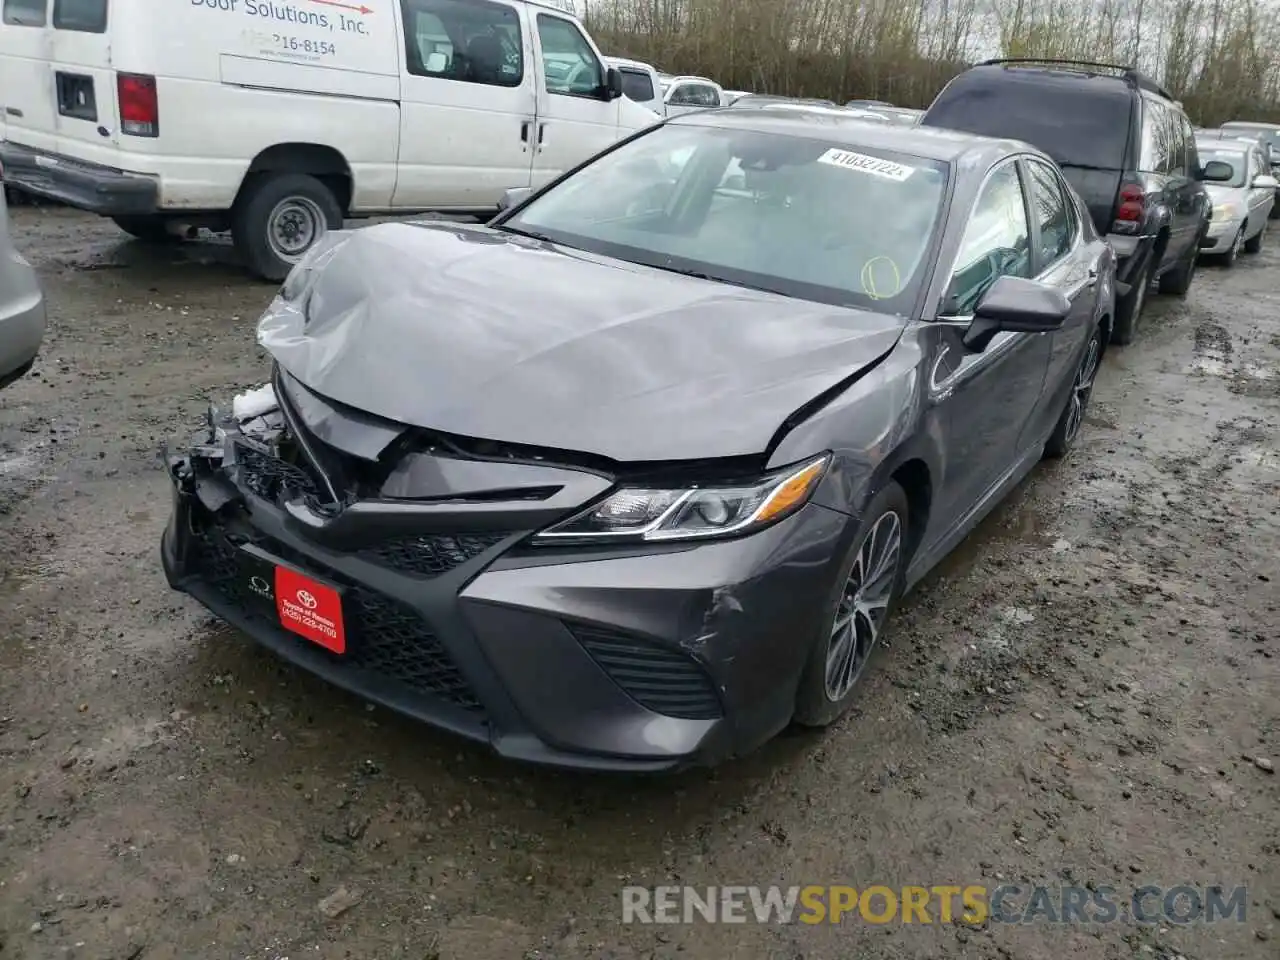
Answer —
(849, 130)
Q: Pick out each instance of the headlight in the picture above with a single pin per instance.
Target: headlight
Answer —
(298, 283)
(692, 513)
(1227, 211)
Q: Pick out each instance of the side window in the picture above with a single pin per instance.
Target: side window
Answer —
(472, 41)
(1052, 210)
(1154, 155)
(637, 85)
(694, 95)
(84, 16)
(1179, 144)
(568, 61)
(996, 243)
(25, 13)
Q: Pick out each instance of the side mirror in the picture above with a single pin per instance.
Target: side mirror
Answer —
(612, 84)
(1265, 182)
(1215, 171)
(514, 197)
(1016, 305)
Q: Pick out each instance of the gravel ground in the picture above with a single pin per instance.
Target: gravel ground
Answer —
(1087, 692)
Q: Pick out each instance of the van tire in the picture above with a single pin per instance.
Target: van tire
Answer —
(276, 211)
(149, 228)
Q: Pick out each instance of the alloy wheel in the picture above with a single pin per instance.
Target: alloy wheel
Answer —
(1083, 387)
(864, 605)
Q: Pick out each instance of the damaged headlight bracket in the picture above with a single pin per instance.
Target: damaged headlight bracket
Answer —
(649, 514)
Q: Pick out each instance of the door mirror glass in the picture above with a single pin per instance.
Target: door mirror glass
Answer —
(514, 197)
(1017, 305)
(1266, 182)
(1215, 171)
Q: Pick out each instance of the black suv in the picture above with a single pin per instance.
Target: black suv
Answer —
(1123, 142)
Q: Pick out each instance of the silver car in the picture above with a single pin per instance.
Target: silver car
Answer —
(21, 306)
(1242, 203)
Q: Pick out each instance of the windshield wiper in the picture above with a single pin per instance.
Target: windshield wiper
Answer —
(531, 234)
(700, 275)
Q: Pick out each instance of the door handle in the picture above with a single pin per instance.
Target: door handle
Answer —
(542, 130)
(524, 132)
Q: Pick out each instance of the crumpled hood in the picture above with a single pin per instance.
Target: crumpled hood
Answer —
(470, 331)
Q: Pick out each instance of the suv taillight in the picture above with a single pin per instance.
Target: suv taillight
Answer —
(1133, 204)
(139, 107)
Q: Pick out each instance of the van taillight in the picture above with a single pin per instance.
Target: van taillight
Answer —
(1132, 207)
(139, 108)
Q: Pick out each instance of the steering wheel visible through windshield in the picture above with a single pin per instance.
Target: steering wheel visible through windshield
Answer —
(800, 216)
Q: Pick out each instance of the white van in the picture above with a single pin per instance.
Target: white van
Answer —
(275, 118)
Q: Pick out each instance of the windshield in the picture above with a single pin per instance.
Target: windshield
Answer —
(1232, 158)
(1270, 134)
(802, 217)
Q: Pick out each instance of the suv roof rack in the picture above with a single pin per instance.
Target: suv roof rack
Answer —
(1126, 73)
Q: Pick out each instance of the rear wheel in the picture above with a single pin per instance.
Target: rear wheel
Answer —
(152, 229)
(1254, 243)
(1178, 280)
(278, 218)
(1129, 307)
(866, 590)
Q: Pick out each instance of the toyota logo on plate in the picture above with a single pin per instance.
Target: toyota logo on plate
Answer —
(260, 586)
(308, 600)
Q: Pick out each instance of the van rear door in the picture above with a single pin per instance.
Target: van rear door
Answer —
(28, 113)
(84, 85)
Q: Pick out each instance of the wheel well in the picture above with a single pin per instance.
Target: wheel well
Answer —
(1105, 322)
(324, 163)
(913, 477)
(1157, 250)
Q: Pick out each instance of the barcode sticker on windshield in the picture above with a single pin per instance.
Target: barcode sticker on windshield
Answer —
(872, 165)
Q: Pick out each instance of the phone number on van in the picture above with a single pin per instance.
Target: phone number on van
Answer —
(303, 45)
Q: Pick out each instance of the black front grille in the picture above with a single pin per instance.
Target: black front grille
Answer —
(388, 638)
(431, 555)
(662, 680)
(273, 478)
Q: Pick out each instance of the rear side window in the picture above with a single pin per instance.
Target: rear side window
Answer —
(1075, 122)
(636, 85)
(86, 16)
(471, 42)
(25, 13)
(1051, 208)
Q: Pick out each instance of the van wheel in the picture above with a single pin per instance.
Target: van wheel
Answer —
(279, 218)
(149, 228)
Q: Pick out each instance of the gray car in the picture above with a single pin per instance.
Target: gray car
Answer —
(1242, 202)
(21, 306)
(633, 476)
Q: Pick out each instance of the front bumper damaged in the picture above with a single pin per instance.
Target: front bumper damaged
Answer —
(624, 659)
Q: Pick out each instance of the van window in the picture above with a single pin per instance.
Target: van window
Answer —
(637, 85)
(1071, 120)
(85, 16)
(24, 13)
(471, 41)
(568, 61)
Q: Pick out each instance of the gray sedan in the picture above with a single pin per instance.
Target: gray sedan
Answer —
(22, 313)
(633, 476)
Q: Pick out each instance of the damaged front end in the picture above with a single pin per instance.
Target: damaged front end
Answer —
(405, 567)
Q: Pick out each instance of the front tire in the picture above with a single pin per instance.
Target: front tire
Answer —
(1254, 243)
(1067, 429)
(278, 218)
(1229, 258)
(866, 591)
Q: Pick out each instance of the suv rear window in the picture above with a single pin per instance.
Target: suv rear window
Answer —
(1074, 121)
(637, 85)
(85, 16)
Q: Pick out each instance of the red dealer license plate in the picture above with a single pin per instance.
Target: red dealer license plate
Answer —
(310, 609)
